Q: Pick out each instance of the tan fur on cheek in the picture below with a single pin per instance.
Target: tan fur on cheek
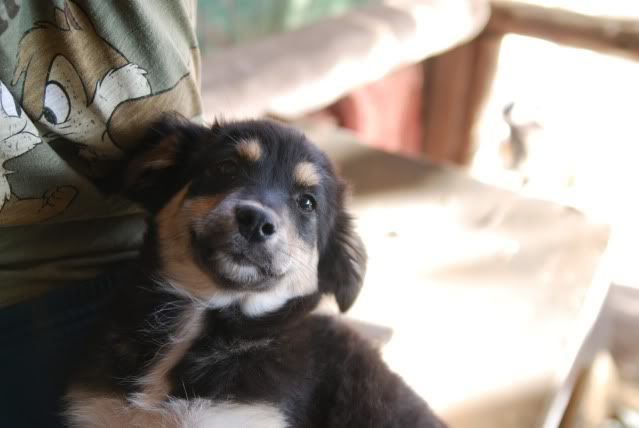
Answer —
(251, 150)
(173, 234)
(306, 174)
(199, 209)
(306, 258)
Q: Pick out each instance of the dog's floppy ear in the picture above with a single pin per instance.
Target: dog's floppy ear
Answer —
(342, 264)
(155, 170)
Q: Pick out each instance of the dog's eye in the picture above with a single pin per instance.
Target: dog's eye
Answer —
(306, 203)
(228, 168)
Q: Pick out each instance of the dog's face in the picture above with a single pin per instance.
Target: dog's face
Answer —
(246, 212)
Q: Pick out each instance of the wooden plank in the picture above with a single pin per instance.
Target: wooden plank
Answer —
(457, 86)
(447, 87)
(294, 73)
(615, 35)
(487, 48)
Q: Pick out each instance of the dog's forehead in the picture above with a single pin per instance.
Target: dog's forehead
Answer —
(274, 150)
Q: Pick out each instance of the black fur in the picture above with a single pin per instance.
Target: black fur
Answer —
(341, 267)
(313, 368)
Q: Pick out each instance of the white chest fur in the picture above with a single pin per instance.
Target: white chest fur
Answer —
(93, 412)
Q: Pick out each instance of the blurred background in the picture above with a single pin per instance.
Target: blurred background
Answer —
(491, 149)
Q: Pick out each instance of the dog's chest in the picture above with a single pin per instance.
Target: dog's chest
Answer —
(194, 364)
(95, 411)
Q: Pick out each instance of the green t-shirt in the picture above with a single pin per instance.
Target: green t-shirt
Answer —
(78, 82)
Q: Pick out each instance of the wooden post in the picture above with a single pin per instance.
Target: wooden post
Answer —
(457, 85)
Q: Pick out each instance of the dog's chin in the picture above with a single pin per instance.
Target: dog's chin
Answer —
(237, 271)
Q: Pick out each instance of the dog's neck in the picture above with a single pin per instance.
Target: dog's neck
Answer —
(229, 320)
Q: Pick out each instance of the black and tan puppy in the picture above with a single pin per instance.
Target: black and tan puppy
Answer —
(246, 230)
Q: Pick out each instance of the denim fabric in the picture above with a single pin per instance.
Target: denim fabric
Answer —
(42, 339)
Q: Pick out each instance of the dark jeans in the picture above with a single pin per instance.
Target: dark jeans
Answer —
(42, 339)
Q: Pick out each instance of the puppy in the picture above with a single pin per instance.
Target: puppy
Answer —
(213, 327)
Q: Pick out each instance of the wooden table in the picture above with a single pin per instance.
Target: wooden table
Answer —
(297, 72)
(489, 295)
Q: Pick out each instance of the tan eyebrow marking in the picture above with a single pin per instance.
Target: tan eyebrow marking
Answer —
(250, 150)
(306, 174)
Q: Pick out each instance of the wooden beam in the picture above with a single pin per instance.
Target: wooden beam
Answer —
(448, 79)
(487, 47)
(458, 83)
(619, 36)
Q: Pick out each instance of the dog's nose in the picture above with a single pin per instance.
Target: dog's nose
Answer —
(255, 223)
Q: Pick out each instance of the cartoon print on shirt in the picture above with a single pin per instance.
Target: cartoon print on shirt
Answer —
(18, 135)
(85, 98)
(11, 9)
(75, 82)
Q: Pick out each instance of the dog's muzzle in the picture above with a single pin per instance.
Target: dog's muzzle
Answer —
(255, 223)
(244, 246)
